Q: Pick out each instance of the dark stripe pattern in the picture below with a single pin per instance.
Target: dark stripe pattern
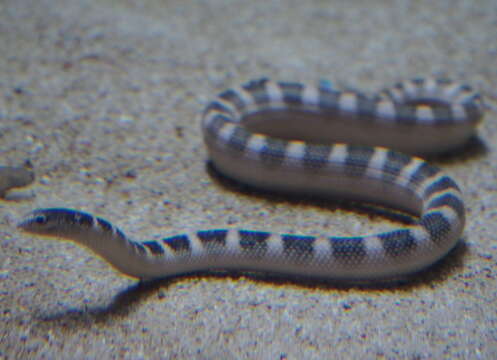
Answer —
(399, 243)
(297, 248)
(257, 88)
(393, 165)
(233, 97)
(180, 244)
(254, 243)
(349, 251)
(405, 114)
(239, 139)
(437, 226)
(329, 100)
(216, 106)
(316, 156)
(442, 184)
(443, 114)
(214, 241)
(425, 171)
(357, 160)
(449, 200)
(292, 93)
(273, 153)
(216, 123)
(366, 107)
(154, 247)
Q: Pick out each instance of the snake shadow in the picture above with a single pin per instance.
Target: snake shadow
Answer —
(473, 149)
(130, 299)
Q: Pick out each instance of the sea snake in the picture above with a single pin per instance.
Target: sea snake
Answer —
(290, 137)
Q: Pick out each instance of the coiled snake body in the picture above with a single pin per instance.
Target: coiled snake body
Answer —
(312, 139)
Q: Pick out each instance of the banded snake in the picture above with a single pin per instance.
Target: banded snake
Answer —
(314, 140)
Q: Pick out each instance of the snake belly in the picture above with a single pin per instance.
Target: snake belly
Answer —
(296, 138)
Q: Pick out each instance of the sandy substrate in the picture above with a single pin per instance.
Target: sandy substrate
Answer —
(104, 97)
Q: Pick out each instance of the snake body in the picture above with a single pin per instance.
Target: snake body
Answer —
(291, 137)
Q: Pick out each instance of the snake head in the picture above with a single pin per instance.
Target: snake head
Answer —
(54, 221)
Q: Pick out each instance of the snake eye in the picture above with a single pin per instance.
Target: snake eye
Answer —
(40, 219)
